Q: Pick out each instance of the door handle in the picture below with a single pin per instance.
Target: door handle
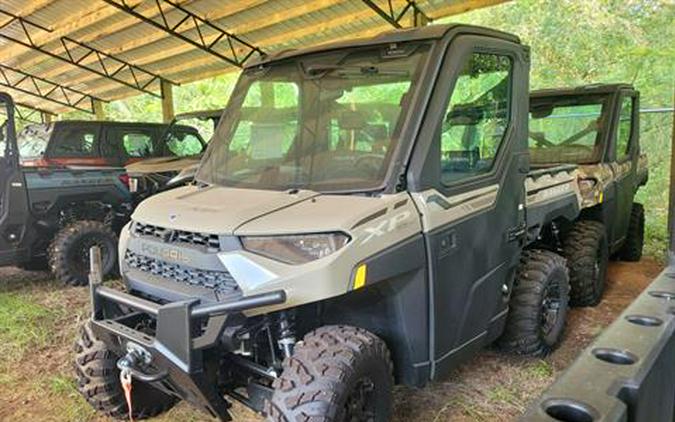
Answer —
(447, 243)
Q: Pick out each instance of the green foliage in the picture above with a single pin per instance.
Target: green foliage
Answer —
(655, 132)
(541, 369)
(208, 94)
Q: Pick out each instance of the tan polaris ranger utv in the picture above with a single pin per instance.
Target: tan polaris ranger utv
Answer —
(364, 216)
(597, 128)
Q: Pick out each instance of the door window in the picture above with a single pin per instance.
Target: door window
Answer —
(476, 117)
(75, 142)
(184, 144)
(129, 143)
(137, 144)
(624, 129)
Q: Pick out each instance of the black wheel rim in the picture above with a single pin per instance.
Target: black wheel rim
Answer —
(360, 406)
(550, 307)
(78, 257)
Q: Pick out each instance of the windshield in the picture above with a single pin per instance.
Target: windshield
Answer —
(33, 140)
(327, 122)
(566, 130)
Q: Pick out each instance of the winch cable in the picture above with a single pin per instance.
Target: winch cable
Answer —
(125, 380)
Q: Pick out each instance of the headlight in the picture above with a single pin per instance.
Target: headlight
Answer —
(296, 249)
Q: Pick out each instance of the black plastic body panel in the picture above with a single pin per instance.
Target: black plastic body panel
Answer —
(36, 199)
(397, 283)
(627, 373)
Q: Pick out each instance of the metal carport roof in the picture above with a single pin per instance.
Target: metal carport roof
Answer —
(59, 55)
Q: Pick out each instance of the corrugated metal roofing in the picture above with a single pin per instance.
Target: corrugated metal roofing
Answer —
(270, 25)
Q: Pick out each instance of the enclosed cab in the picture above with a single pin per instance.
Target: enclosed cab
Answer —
(184, 149)
(102, 143)
(353, 224)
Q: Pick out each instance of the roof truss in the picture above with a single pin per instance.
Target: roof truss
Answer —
(176, 20)
(395, 13)
(23, 31)
(46, 89)
(28, 113)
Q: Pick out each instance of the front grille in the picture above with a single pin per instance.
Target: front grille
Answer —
(220, 281)
(209, 241)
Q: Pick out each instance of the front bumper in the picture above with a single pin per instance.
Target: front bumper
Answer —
(184, 361)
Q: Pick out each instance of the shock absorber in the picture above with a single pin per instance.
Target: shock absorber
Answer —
(286, 334)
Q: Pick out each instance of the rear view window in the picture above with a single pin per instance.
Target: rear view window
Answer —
(566, 133)
(33, 140)
(137, 144)
(75, 142)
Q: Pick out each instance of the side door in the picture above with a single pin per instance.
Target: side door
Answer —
(471, 193)
(13, 197)
(625, 153)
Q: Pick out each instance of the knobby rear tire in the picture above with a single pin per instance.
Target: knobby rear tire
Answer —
(586, 250)
(631, 250)
(524, 333)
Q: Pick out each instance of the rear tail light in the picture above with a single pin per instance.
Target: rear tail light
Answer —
(124, 178)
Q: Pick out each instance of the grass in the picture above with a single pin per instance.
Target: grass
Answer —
(23, 324)
(541, 369)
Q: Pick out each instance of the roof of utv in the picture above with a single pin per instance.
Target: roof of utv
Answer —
(580, 90)
(429, 32)
(108, 123)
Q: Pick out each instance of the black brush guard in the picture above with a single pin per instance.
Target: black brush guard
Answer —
(181, 363)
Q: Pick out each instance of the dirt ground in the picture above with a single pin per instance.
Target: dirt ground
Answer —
(38, 321)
